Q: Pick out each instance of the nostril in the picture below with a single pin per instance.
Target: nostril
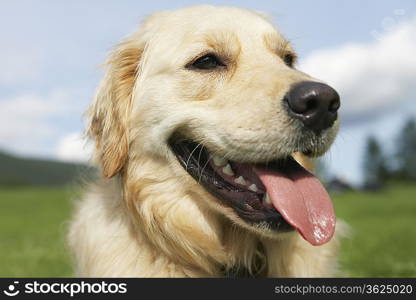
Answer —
(305, 105)
(311, 105)
(334, 105)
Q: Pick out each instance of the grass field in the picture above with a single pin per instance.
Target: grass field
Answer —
(382, 242)
(32, 230)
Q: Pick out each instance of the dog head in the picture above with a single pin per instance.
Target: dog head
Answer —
(214, 94)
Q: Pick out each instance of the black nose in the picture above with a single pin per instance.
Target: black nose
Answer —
(314, 103)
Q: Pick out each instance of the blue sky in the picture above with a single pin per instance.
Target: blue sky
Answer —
(51, 51)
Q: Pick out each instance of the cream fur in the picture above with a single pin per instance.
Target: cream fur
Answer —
(147, 217)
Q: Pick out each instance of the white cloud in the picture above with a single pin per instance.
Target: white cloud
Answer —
(31, 123)
(73, 147)
(370, 77)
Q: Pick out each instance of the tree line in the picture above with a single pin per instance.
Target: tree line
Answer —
(380, 166)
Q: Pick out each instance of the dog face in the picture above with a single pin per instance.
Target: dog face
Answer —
(213, 92)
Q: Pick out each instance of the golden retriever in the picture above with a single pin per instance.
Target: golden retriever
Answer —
(196, 126)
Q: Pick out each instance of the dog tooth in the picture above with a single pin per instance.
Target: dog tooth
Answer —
(219, 161)
(253, 188)
(227, 170)
(266, 199)
(240, 180)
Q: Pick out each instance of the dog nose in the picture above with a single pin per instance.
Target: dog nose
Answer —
(314, 103)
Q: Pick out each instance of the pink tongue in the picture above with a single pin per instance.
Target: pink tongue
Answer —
(301, 200)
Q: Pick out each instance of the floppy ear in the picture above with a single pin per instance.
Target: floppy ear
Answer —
(110, 110)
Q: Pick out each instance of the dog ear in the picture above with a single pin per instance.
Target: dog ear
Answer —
(110, 110)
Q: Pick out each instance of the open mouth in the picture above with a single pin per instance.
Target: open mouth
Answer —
(280, 193)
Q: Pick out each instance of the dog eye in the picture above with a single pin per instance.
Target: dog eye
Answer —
(207, 62)
(289, 59)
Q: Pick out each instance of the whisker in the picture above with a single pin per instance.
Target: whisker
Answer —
(199, 156)
(203, 168)
(205, 165)
(190, 155)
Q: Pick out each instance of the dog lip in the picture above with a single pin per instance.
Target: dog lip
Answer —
(247, 204)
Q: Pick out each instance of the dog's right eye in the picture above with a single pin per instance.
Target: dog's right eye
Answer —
(207, 62)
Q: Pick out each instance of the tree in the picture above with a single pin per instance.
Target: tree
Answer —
(406, 151)
(375, 170)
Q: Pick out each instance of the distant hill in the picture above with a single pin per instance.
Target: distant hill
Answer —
(15, 171)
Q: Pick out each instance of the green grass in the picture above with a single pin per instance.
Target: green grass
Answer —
(32, 232)
(382, 240)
